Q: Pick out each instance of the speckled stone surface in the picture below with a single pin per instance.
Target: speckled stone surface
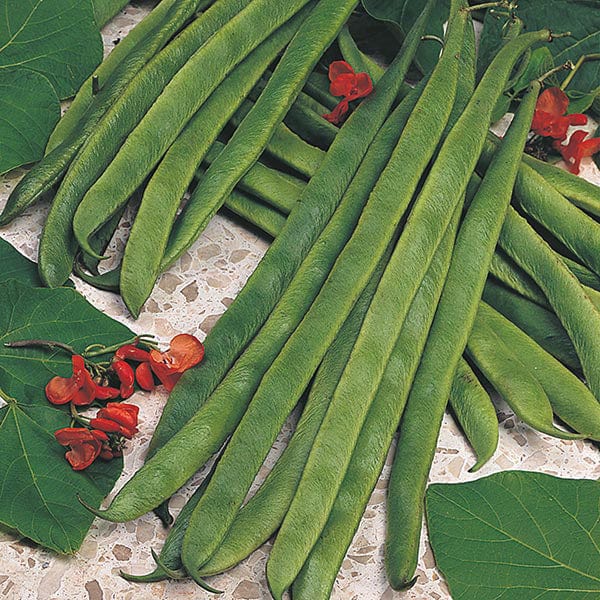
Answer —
(190, 298)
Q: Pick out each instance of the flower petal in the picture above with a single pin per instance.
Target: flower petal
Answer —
(343, 85)
(60, 390)
(339, 67)
(553, 101)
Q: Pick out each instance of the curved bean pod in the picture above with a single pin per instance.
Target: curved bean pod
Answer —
(475, 413)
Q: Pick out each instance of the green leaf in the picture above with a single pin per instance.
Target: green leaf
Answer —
(38, 488)
(105, 10)
(404, 13)
(517, 535)
(29, 110)
(56, 38)
(16, 266)
(579, 17)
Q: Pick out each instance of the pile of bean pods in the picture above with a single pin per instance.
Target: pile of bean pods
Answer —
(417, 261)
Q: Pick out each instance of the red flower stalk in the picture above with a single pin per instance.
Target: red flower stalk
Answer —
(79, 388)
(345, 82)
(549, 119)
(117, 417)
(577, 148)
(85, 445)
(185, 352)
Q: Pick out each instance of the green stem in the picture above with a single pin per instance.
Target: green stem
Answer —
(503, 3)
(146, 339)
(576, 67)
(40, 343)
(566, 65)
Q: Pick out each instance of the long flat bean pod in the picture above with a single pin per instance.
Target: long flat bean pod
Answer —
(280, 387)
(262, 515)
(85, 95)
(166, 188)
(179, 101)
(541, 201)
(256, 213)
(468, 271)
(570, 399)
(51, 168)
(254, 132)
(571, 303)
(57, 245)
(581, 192)
(256, 300)
(512, 379)
(319, 571)
(287, 147)
(538, 323)
(475, 413)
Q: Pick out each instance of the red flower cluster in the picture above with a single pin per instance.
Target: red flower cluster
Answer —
(550, 120)
(80, 388)
(103, 439)
(104, 435)
(345, 82)
(184, 352)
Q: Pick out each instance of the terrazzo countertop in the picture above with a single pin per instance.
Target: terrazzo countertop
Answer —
(190, 298)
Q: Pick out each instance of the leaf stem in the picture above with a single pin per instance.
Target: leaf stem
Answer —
(8, 399)
(40, 343)
(484, 5)
(563, 67)
(576, 67)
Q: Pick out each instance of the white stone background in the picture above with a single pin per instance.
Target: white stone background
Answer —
(189, 298)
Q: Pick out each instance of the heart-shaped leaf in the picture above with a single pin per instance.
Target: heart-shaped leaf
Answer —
(38, 488)
(29, 110)
(56, 38)
(517, 535)
(17, 266)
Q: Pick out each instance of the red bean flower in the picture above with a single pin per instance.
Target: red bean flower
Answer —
(345, 82)
(117, 417)
(85, 445)
(577, 148)
(549, 118)
(79, 388)
(185, 352)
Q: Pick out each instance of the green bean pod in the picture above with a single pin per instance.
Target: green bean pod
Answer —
(538, 323)
(585, 276)
(85, 95)
(317, 87)
(569, 398)
(277, 188)
(57, 246)
(287, 147)
(333, 447)
(258, 520)
(251, 137)
(504, 269)
(253, 211)
(234, 330)
(513, 380)
(579, 191)
(571, 303)
(51, 168)
(476, 241)
(541, 201)
(179, 101)
(319, 571)
(165, 189)
(475, 413)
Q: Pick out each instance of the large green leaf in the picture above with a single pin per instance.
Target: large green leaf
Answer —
(57, 38)
(29, 110)
(579, 17)
(517, 536)
(38, 488)
(404, 13)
